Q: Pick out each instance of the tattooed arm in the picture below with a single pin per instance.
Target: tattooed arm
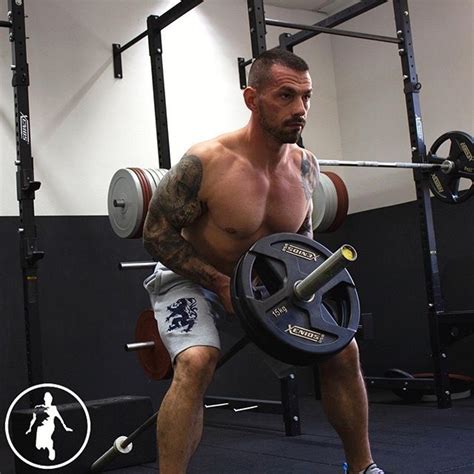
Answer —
(175, 205)
(309, 180)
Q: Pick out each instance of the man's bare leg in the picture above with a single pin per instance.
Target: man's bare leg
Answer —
(344, 399)
(179, 427)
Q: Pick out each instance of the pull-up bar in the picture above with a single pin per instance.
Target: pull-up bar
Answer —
(331, 31)
(347, 14)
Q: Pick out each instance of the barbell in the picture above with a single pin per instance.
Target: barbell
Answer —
(445, 173)
(304, 308)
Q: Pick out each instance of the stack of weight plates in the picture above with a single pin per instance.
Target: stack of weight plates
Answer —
(130, 192)
(330, 203)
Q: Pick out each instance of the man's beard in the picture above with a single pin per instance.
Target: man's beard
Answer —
(281, 134)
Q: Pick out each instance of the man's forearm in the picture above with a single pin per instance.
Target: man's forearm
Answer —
(179, 255)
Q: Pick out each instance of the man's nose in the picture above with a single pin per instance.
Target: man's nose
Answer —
(300, 107)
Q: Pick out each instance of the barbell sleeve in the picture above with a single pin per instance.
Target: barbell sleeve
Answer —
(138, 346)
(306, 288)
(122, 445)
(116, 449)
(136, 265)
(446, 165)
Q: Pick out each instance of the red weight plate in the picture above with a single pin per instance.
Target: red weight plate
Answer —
(147, 192)
(155, 361)
(342, 201)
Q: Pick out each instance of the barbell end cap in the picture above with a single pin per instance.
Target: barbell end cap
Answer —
(447, 166)
(349, 252)
(122, 449)
(111, 454)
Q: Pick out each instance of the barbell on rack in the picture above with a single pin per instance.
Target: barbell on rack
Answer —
(445, 173)
(131, 189)
(446, 166)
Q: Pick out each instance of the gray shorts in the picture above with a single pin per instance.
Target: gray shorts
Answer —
(189, 315)
(186, 313)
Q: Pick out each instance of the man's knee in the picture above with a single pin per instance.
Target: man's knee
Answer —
(196, 366)
(346, 360)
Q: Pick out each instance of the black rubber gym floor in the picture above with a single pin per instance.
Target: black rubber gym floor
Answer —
(406, 439)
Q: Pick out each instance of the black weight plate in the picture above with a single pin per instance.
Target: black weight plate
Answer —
(445, 186)
(289, 329)
(250, 325)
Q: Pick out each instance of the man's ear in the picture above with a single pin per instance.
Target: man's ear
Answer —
(250, 98)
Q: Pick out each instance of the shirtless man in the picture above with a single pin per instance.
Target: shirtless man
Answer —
(221, 197)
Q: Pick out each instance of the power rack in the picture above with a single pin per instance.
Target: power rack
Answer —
(440, 322)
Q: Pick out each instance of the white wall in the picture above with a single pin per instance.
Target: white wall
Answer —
(86, 124)
(371, 103)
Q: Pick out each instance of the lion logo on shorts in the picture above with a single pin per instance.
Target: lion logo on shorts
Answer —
(183, 314)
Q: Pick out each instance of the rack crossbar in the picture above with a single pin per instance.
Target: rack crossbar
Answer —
(334, 20)
(332, 31)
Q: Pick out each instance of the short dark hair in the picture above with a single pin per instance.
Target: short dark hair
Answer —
(260, 70)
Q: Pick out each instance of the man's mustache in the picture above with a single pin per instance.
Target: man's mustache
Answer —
(301, 122)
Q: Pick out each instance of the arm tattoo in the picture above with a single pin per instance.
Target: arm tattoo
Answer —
(175, 205)
(177, 193)
(309, 181)
(309, 174)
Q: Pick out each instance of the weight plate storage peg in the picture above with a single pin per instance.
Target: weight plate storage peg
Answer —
(445, 185)
(291, 329)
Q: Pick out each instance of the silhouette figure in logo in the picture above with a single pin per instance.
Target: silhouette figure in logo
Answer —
(46, 415)
(183, 314)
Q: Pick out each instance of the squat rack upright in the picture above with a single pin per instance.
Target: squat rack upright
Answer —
(438, 319)
(26, 188)
(155, 24)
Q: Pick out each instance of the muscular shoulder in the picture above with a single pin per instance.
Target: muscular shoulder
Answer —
(216, 149)
(181, 194)
(217, 157)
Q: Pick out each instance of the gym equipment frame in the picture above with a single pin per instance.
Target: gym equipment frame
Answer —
(154, 26)
(26, 188)
(440, 322)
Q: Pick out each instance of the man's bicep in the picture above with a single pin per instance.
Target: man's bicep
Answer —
(177, 197)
